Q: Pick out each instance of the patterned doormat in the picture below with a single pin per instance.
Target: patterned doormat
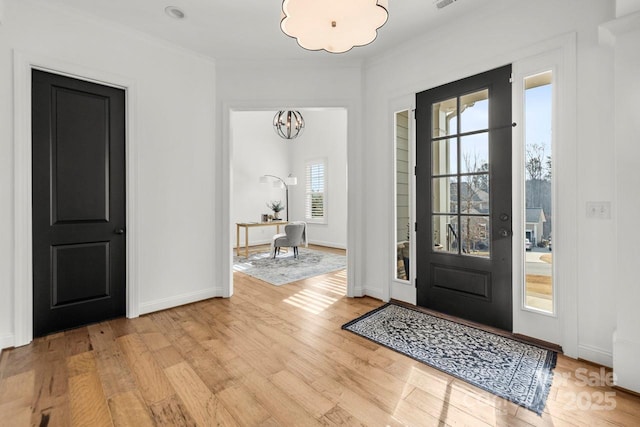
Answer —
(519, 372)
(286, 269)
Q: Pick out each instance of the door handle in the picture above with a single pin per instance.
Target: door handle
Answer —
(504, 217)
(118, 231)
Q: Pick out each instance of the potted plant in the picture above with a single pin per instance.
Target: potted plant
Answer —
(276, 207)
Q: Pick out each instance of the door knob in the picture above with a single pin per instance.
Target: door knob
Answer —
(119, 231)
(504, 217)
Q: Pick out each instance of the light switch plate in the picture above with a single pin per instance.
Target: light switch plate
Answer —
(599, 210)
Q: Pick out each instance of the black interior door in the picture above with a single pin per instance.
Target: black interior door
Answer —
(78, 146)
(463, 203)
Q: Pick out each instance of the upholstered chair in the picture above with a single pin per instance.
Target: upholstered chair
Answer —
(295, 234)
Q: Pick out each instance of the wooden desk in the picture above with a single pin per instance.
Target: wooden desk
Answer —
(247, 226)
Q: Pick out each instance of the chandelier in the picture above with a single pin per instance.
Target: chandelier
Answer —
(333, 25)
(288, 124)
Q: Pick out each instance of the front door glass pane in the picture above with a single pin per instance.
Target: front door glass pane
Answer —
(445, 118)
(444, 157)
(474, 151)
(444, 192)
(446, 237)
(403, 205)
(474, 111)
(475, 235)
(474, 194)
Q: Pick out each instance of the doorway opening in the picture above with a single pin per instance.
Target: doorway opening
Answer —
(305, 178)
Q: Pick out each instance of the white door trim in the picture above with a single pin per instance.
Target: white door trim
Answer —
(558, 55)
(23, 250)
(402, 290)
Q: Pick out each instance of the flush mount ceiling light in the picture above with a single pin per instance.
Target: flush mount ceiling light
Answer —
(333, 25)
(174, 12)
(288, 124)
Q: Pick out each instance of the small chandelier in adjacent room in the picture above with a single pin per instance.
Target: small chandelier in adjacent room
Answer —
(333, 25)
(288, 124)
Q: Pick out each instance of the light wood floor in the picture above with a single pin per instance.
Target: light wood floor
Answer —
(267, 356)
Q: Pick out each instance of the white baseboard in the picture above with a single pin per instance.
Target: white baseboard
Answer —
(595, 355)
(175, 301)
(314, 242)
(6, 341)
(328, 244)
(373, 293)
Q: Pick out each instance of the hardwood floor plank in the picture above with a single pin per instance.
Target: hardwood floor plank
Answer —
(150, 378)
(167, 356)
(18, 388)
(15, 414)
(203, 406)
(77, 341)
(442, 409)
(52, 389)
(87, 401)
(115, 374)
(129, 410)
(243, 406)
(81, 363)
(312, 401)
(339, 417)
(284, 409)
(171, 413)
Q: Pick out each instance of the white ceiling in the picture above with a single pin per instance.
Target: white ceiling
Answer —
(249, 29)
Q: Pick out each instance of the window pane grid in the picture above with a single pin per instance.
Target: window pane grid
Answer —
(460, 174)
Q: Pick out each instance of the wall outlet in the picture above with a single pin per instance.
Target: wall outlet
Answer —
(599, 210)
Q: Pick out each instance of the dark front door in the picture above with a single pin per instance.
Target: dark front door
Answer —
(78, 145)
(463, 203)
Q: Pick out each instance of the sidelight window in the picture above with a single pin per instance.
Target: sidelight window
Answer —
(538, 181)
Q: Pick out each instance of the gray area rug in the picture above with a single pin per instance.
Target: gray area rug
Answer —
(285, 269)
(519, 372)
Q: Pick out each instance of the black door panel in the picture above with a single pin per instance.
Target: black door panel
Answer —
(78, 146)
(463, 198)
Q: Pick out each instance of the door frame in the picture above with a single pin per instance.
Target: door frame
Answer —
(23, 245)
(567, 207)
(355, 271)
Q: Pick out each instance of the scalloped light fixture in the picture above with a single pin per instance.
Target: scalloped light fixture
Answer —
(333, 25)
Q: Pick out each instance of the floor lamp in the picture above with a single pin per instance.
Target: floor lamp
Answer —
(290, 180)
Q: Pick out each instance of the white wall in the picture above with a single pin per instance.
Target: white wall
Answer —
(325, 136)
(623, 36)
(174, 122)
(257, 151)
(625, 7)
(503, 34)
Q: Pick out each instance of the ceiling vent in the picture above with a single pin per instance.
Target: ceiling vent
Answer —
(443, 3)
